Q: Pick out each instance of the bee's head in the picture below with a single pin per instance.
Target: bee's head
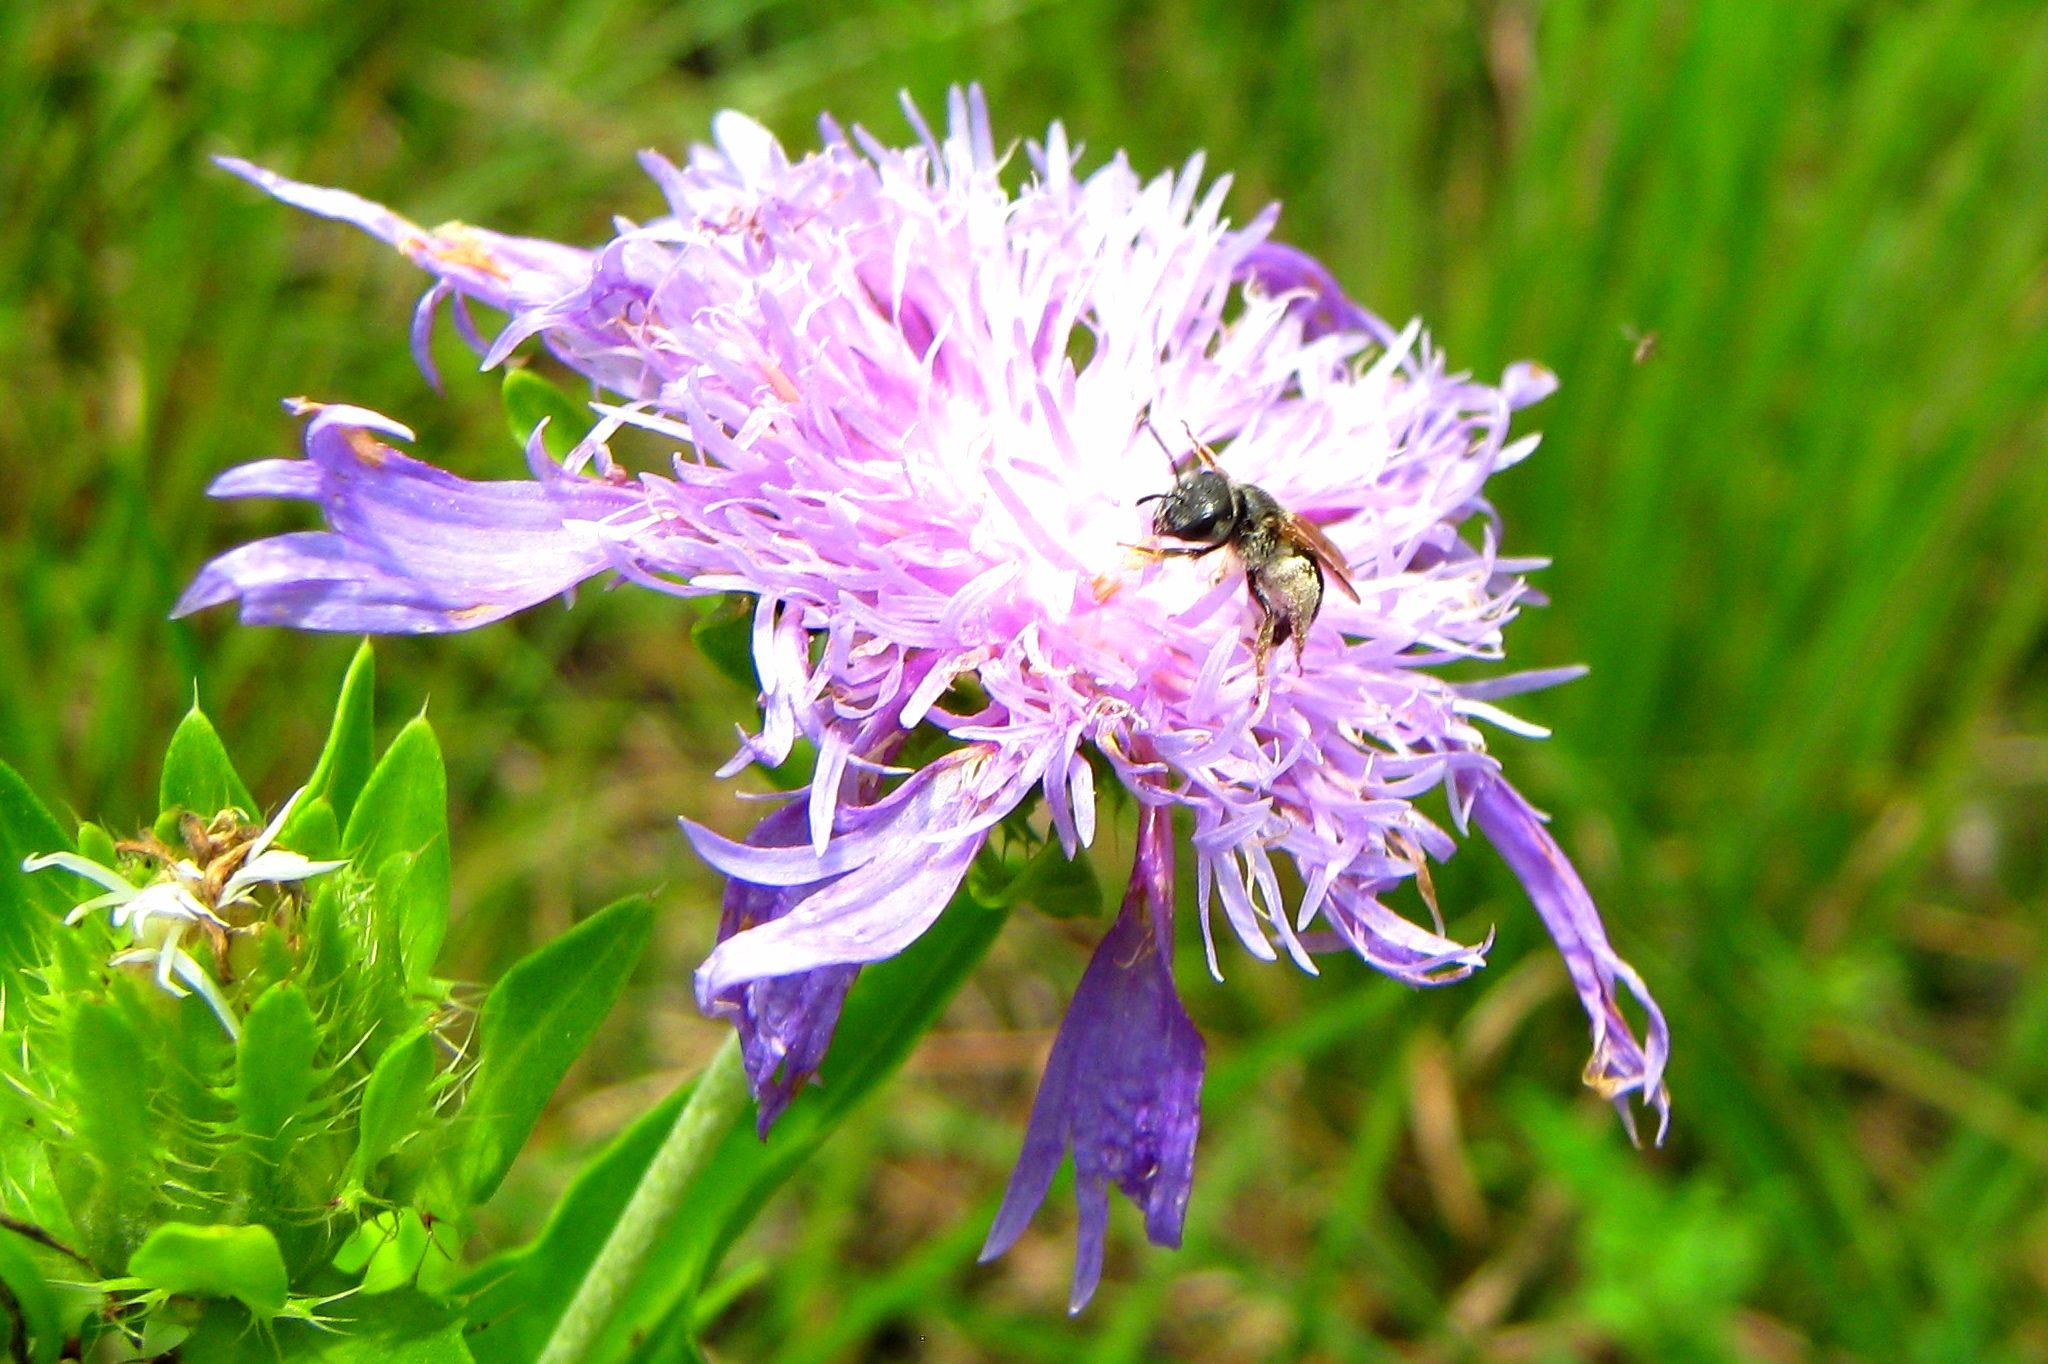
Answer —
(1201, 506)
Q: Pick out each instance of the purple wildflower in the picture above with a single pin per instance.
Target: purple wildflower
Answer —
(910, 405)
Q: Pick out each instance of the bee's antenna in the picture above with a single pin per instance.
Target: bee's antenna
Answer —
(1172, 460)
(1204, 456)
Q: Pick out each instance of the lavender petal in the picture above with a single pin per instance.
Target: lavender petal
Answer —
(911, 851)
(1122, 1086)
(413, 548)
(1620, 1065)
(785, 1023)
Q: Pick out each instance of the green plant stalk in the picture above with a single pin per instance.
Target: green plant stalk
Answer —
(719, 1100)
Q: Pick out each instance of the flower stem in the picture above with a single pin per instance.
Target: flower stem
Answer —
(713, 1106)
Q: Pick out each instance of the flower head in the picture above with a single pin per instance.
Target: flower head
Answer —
(910, 406)
(184, 897)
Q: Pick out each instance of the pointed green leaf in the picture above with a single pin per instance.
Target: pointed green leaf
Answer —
(274, 1071)
(312, 831)
(345, 759)
(535, 1022)
(242, 1263)
(401, 1327)
(25, 1170)
(521, 1294)
(403, 808)
(391, 903)
(530, 400)
(29, 900)
(95, 844)
(198, 775)
(112, 1076)
(398, 1102)
(37, 1312)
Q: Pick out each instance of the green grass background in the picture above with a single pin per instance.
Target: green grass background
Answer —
(1801, 537)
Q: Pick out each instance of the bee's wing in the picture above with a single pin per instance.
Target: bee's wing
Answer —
(1308, 536)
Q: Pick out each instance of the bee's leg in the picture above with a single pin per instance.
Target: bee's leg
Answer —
(1270, 625)
(1289, 592)
(1301, 613)
(1174, 551)
(1262, 646)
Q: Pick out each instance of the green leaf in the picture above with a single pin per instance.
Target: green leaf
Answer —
(535, 1022)
(29, 900)
(198, 776)
(1048, 880)
(521, 1294)
(398, 1102)
(242, 1263)
(109, 1192)
(274, 1071)
(403, 1244)
(402, 1327)
(345, 758)
(531, 400)
(312, 831)
(403, 808)
(39, 1315)
(725, 636)
(95, 844)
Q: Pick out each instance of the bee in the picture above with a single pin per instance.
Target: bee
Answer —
(1287, 559)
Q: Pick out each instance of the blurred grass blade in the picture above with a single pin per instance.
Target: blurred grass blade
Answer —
(724, 634)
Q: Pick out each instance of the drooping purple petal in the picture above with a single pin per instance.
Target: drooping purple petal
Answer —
(1620, 1065)
(1122, 1087)
(878, 886)
(1399, 947)
(412, 548)
(785, 1023)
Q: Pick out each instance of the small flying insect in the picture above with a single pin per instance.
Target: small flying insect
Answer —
(1286, 558)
